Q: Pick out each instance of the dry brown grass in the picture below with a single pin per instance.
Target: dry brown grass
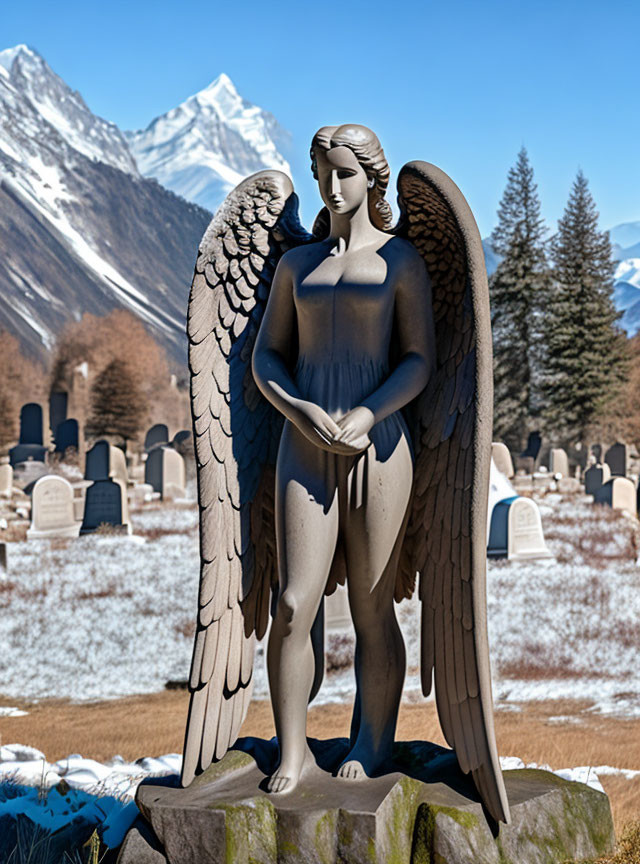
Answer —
(152, 725)
(15, 532)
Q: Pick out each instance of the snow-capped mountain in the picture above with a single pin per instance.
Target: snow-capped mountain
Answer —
(80, 229)
(208, 144)
(64, 109)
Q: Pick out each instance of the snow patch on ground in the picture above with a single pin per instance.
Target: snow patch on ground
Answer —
(103, 617)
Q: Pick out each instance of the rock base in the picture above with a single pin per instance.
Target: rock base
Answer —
(423, 810)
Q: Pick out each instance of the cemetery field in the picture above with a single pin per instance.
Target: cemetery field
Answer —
(558, 733)
(93, 629)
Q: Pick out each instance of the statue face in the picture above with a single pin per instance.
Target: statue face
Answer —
(342, 180)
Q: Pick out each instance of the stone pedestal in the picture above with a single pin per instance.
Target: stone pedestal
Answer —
(424, 809)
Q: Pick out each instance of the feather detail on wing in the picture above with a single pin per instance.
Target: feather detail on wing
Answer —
(446, 536)
(236, 433)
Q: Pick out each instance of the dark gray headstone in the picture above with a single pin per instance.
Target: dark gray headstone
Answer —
(182, 441)
(153, 469)
(595, 477)
(66, 435)
(533, 446)
(158, 434)
(497, 546)
(616, 459)
(97, 462)
(102, 504)
(31, 424)
(597, 450)
(27, 453)
(57, 409)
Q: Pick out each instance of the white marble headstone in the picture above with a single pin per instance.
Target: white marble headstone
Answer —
(6, 480)
(52, 513)
(502, 458)
(559, 462)
(619, 493)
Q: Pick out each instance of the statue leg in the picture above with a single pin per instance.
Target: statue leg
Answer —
(373, 536)
(306, 531)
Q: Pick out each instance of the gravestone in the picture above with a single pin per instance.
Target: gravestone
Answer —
(118, 465)
(181, 440)
(27, 453)
(102, 505)
(165, 471)
(52, 513)
(97, 461)
(502, 458)
(58, 402)
(558, 462)
(596, 451)
(516, 531)
(66, 435)
(31, 423)
(617, 459)
(158, 434)
(6, 480)
(105, 461)
(618, 493)
(595, 477)
(30, 447)
(534, 443)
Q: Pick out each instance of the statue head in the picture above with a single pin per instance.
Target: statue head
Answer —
(349, 163)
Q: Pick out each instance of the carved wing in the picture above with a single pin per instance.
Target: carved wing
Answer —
(446, 536)
(236, 433)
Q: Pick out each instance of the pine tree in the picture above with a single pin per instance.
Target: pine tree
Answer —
(585, 350)
(517, 287)
(118, 406)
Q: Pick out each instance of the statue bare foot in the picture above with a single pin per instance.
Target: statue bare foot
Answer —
(285, 778)
(358, 765)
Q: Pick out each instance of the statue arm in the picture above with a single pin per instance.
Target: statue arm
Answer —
(416, 334)
(271, 371)
(274, 338)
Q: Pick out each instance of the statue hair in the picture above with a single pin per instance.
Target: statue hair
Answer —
(368, 151)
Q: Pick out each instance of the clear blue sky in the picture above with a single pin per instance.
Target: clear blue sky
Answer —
(460, 84)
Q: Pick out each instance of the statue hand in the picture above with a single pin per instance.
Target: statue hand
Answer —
(316, 425)
(355, 427)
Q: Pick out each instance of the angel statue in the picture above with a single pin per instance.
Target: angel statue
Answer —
(341, 391)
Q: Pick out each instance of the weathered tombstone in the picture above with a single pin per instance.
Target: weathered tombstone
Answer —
(97, 461)
(118, 465)
(158, 434)
(52, 513)
(534, 443)
(618, 493)
(516, 530)
(6, 480)
(31, 423)
(595, 477)
(558, 462)
(30, 447)
(502, 458)
(596, 451)
(616, 458)
(57, 410)
(66, 435)
(102, 505)
(27, 453)
(165, 471)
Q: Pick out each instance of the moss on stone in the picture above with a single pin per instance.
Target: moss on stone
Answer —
(234, 760)
(324, 837)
